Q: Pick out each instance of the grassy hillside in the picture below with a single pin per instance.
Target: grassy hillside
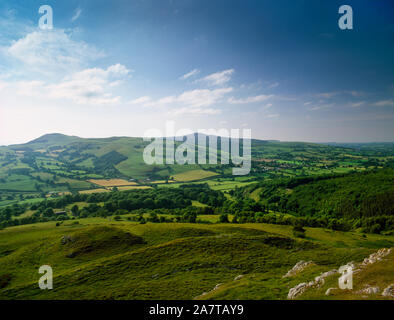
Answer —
(98, 259)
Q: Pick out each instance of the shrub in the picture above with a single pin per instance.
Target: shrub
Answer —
(4, 280)
(223, 218)
(298, 230)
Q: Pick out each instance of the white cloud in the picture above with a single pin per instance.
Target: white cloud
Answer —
(164, 101)
(218, 78)
(320, 107)
(190, 74)
(384, 103)
(328, 95)
(272, 115)
(51, 51)
(89, 86)
(250, 99)
(273, 85)
(198, 98)
(209, 111)
(202, 98)
(76, 15)
(141, 100)
(357, 104)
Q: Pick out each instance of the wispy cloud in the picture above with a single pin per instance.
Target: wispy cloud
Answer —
(272, 115)
(218, 78)
(320, 107)
(190, 74)
(384, 103)
(77, 14)
(273, 85)
(258, 98)
(357, 104)
(141, 100)
(332, 94)
(197, 102)
(198, 98)
(196, 111)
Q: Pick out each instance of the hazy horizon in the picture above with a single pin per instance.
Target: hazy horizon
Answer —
(107, 137)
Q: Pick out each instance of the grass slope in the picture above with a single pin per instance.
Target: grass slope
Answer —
(124, 260)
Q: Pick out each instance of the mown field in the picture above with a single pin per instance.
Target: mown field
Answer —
(108, 259)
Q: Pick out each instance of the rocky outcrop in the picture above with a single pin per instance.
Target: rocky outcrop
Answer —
(389, 291)
(302, 287)
(377, 256)
(299, 266)
(320, 280)
(297, 290)
(369, 290)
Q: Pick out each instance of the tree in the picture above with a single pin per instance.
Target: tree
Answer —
(75, 210)
(48, 212)
(223, 218)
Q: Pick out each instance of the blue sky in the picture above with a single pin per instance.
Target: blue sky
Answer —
(284, 69)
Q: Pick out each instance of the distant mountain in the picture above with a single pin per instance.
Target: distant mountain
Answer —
(54, 138)
(47, 140)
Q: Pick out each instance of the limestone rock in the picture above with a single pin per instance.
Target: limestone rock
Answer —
(319, 280)
(377, 256)
(299, 266)
(389, 291)
(369, 290)
(297, 290)
(330, 291)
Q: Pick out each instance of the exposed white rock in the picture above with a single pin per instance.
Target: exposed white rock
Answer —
(377, 256)
(389, 291)
(217, 286)
(330, 291)
(369, 290)
(319, 280)
(238, 277)
(299, 266)
(297, 290)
